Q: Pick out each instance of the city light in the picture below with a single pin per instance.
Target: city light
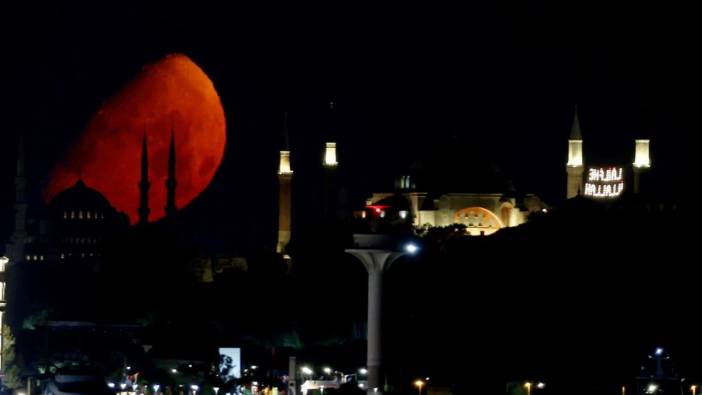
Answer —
(652, 388)
(174, 371)
(123, 386)
(419, 384)
(411, 248)
(693, 389)
(306, 370)
(659, 351)
(540, 386)
(254, 367)
(327, 370)
(111, 385)
(156, 387)
(363, 371)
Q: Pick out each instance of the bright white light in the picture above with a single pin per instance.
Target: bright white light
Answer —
(403, 214)
(254, 383)
(111, 385)
(540, 385)
(174, 370)
(254, 367)
(123, 386)
(194, 387)
(659, 351)
(642, 158)
(306, 370)
(652, 388)
(129, 368)
(411, 248)
(156, 387)
(327, 370)
(360, 385)
(330, 155)
(215, 389)
(363, 371)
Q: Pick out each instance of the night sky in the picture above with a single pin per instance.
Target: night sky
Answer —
(410, 82)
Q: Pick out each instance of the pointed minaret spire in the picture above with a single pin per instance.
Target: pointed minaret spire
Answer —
(575, 133)
(144, 184)
(171, 182)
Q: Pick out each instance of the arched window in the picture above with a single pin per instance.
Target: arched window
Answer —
(478, 220)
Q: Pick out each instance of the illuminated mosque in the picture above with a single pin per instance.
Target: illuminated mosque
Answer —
(485, 207)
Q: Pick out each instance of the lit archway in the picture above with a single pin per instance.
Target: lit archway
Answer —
(478, 220)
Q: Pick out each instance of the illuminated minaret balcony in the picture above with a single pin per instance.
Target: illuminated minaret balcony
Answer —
(284, 167)
(642, 159)
(330, 155)
(575, 153)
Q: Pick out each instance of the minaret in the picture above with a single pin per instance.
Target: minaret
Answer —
(642, 161)
(144, 184)
(330, 165)
(284, 192)
(171, 182)
(19, 236)
(574, 167)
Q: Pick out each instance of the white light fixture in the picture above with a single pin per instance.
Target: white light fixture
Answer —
(411, 248)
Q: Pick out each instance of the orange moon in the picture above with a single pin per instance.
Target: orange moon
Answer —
(170, 94)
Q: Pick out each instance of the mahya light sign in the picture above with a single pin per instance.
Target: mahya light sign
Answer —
(604, 182)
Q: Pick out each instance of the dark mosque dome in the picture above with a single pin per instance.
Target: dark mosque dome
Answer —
(80, 197)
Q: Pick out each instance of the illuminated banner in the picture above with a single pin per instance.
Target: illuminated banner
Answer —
(604, 182)
(229, 364)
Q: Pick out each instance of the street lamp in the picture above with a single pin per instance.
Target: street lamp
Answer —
(693, 389)
(411, 248)
(216, 390)
(194, 387)
(540, 385)
(419, 384)
(156, 387)
(363, 371)
(527, 385)
(652, 387)
(327, 370)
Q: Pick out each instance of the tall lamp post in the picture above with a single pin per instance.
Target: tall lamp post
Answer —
(376, 254)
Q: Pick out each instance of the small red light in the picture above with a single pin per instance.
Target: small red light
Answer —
(377, 210)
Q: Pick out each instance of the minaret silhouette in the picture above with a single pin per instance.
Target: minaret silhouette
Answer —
(575, 166)
(285, 175)
(19, 235)
(330, 164)
(144, 184)
(171, 182)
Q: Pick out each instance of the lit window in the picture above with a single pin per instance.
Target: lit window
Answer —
(73, 214)
(28, 258)
(80, 214)
(63, 256)
(65, 214)
(41, 257)
(88, 214)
